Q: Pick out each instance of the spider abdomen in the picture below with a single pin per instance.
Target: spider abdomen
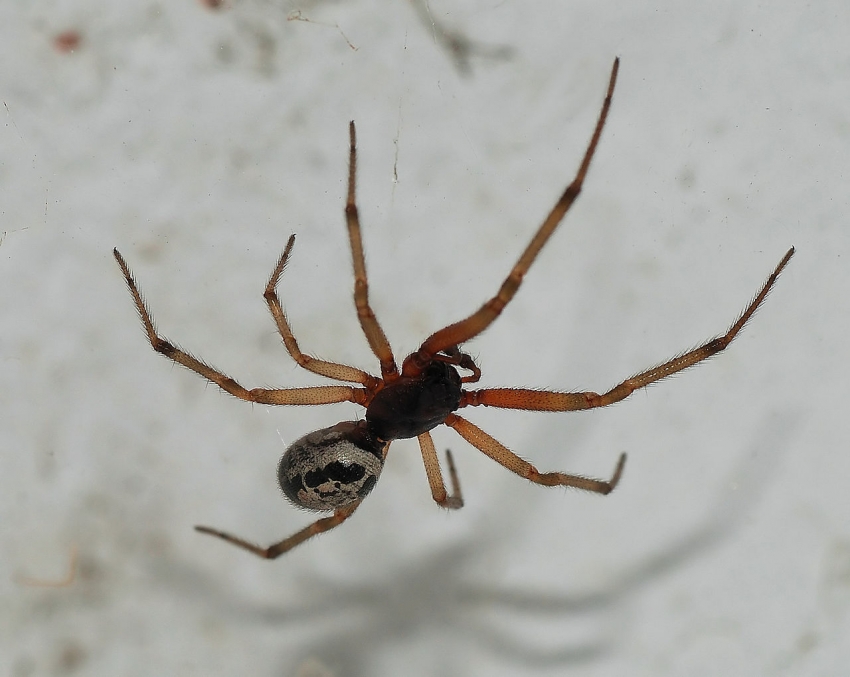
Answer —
(408, 407)
(331, 468)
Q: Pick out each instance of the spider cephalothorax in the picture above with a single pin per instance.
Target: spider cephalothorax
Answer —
(333, 469)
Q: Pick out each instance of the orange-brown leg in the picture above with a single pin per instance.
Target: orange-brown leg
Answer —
(536, 400)
(374, 334)
(340, 372)
(460, 332)
(277, 549)
(284, 396)
(435, 476)
(505, 457)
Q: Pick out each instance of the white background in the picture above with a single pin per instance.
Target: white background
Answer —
(197, 140)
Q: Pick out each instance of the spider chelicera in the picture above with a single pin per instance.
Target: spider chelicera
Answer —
(335, 468)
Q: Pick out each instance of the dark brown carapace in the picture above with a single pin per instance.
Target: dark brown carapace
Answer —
(335, 468)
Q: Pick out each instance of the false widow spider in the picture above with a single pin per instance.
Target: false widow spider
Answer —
(335, 468)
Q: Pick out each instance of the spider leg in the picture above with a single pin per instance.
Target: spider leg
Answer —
(505, 457)
(340, 372)
(435, 476)
(277, 549)
(537, 400)
(371, 328)
(316, 395)
(460, 332)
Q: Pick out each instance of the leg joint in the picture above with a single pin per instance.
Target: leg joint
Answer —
(162, 346)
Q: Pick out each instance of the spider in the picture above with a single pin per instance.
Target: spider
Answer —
(332, 470)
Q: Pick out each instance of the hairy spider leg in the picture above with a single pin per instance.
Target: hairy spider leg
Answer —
(283, 396)
(460, 332)
(506, 458)
(371, 328)
(435, 476)
(334, 370)
(275, 550)
(541, 400)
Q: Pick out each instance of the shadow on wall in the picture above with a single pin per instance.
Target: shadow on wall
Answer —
(439, 597)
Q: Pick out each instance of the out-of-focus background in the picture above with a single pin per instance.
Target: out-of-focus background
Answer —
(196, 138)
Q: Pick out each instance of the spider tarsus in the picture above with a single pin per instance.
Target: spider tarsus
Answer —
(618, 473)
(455, 501)
(123, 265)
(265, 553)
(274, 278)
(208, 530)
